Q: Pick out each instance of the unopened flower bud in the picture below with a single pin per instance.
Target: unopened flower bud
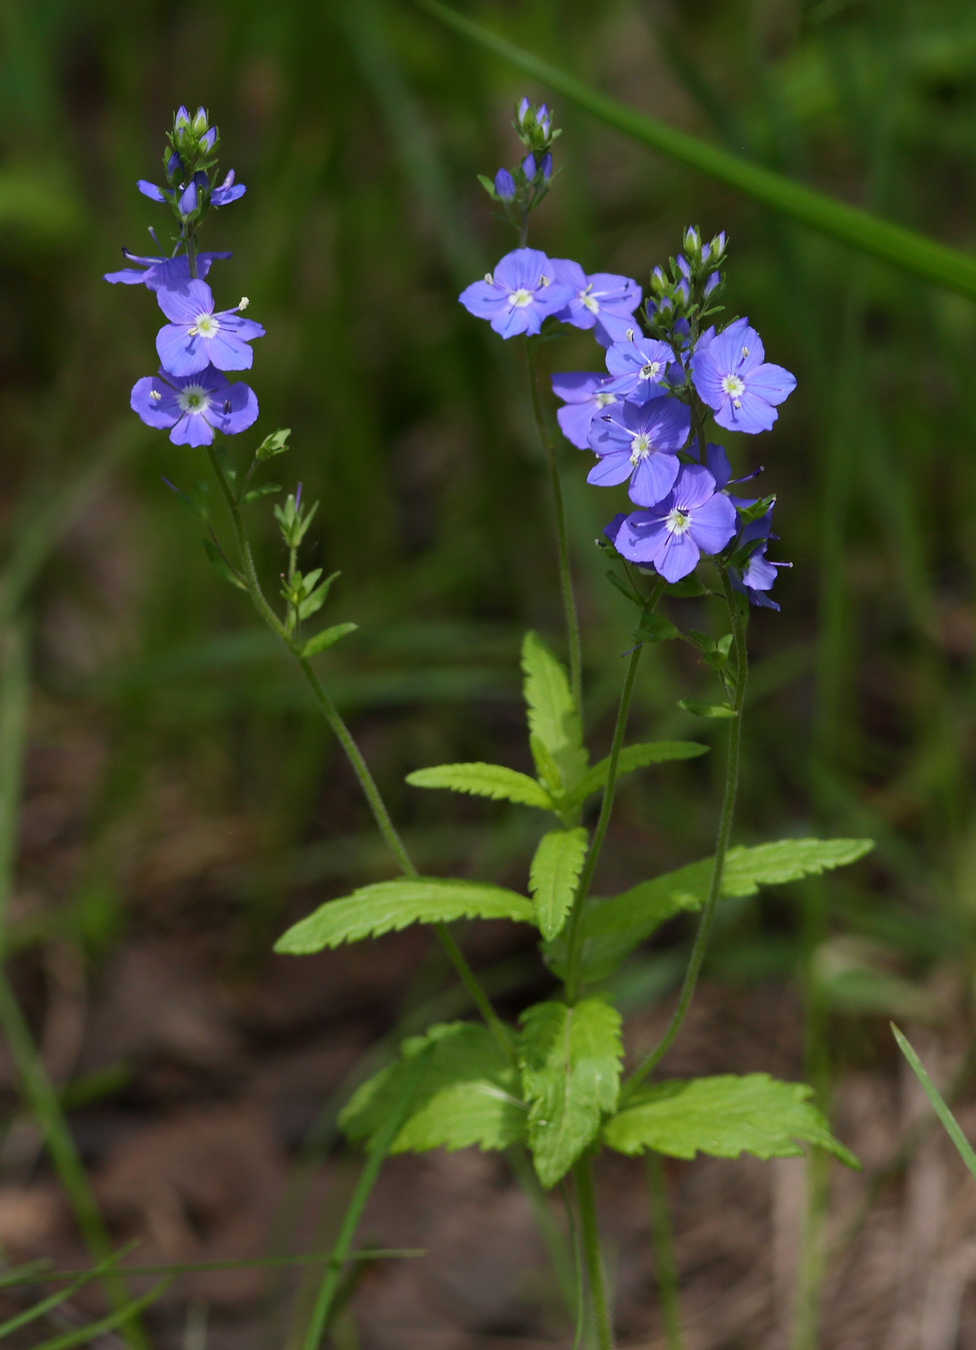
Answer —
(504, 185)
(659, 282)
(188, 202)
(174, 168)
(717, 245)
(546, 167)
(520, 112)
(529, 166)
(207, 142)
(711, 283)
(182, 119)
(681, 291)
(200, 122)
(692, 239)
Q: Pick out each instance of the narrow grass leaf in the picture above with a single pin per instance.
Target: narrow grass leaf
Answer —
(723, 1117)
(902, 248)
(637, 757)
(570, 1059)
(389, 906)
(83, 1335)
(949, 1122)
(555, 871)
(484, 780)
(468, 1093)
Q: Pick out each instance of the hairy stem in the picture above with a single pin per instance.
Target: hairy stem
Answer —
(574, 934)
(565, 574)
(359, 766)
(586, 1201)
(651, 1060)
(663, 1239)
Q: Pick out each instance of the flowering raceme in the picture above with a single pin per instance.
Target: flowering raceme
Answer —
(666, 374)
(189, 397)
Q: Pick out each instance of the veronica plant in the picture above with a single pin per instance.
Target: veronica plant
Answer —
(554, 1082)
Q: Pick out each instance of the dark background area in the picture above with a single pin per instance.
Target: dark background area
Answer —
(182, 799)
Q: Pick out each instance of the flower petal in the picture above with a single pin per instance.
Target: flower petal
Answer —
(180, 354)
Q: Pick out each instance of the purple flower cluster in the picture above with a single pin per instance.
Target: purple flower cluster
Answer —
(189, 396)
(637, 418)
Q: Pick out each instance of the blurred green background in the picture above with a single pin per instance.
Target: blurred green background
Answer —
(359, 128)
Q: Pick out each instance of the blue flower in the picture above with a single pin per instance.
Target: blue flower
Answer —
(172, 274)
(641, 365)
(197, 337)
(758, 574)
(193, 407)
(504, 186)
(585, 394)
(640, 444)
(691, 520)
(521, 293)
(602, 300)
(228, 192)
(730, 375)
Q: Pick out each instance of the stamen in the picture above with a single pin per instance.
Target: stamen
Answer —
(244, 302)
(155, 395)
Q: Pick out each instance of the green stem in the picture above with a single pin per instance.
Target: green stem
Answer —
(663, 1238)
(651, 1060)
(350, 1222)
(586, 1200)
(565, 575)
(574, 931)
(345, 738)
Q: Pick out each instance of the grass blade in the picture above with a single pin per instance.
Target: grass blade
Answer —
(902, 248)
(82, 1335)
(952, 1128)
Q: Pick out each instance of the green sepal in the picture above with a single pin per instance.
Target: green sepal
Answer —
(275, 444)
(555, 871)
(321, 642)
(468, 1093)
(388, 906)
(570, 1058)
(723, 1117)
(484, 780)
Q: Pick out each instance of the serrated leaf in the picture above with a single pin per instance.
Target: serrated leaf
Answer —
(222, 567)
(388, 906)
(468, 1093)
(570, 1059)
(555, 871)
(612, 928)
(484, 780)
(701, 709)
(327, 638)
(553, 716)
(723, 1117)
(637, 757)
(265, 490)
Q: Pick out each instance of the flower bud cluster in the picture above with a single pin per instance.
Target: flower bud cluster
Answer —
(520, 189)
(682, 301)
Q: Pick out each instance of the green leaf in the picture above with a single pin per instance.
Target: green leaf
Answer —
(687, 588)
(265, 490)
(468, 1093)
(723, 1117)
(570, 1060)
(611, 928)
(904, 249)
(315, 599)
(949, 1122)
(655, 628)
(553, 717)
(637, 757)
(327, 638)
(484, 780)
(388, 906)
(702, 709)
(222, 567)
(555, 871)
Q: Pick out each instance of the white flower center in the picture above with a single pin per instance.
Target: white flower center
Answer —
(590, 301)
(206, 326)
(678, 521)
(603, 399)
(735, 388)
(520, 298)
(649, 371)
(640, 447)
(194, 399)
